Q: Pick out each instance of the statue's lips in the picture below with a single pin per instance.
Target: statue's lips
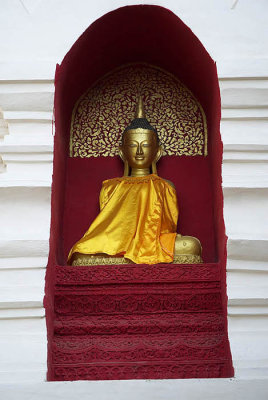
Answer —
(139, 158)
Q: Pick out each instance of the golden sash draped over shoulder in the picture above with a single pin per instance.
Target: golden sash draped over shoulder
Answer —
(138, 220)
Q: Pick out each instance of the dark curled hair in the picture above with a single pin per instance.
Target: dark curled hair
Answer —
(141, 123)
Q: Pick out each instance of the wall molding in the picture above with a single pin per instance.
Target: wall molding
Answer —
(27, 150)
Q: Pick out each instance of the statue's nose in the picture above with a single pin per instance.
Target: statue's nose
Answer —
(139, 150)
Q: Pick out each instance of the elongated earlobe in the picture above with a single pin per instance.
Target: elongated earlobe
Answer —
(126, 166)
(157, 157)
(154, 169)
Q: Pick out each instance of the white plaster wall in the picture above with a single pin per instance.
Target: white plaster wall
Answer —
(38, 33)
(35, 35)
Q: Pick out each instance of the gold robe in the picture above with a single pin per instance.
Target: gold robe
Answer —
(138, 219)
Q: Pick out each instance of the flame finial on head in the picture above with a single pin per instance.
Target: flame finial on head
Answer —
(140, 121)
(140, 113)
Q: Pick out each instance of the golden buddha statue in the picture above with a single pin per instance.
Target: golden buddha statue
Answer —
(138, 215)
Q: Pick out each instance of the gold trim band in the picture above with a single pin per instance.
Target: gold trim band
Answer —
(89, 260)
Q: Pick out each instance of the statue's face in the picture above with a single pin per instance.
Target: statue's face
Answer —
(140, 148)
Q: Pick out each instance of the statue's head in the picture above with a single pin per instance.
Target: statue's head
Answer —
(140, 143)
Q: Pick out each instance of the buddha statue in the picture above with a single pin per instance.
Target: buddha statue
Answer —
(138, 215)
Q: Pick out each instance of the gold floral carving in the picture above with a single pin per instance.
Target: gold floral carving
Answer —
(98, 260)
(106, 109)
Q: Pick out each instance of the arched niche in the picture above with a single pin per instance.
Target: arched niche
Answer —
(112, 41)
(130, 35)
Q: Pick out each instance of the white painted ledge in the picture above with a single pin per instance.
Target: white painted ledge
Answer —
(24, 248)
(18, 263)
(26, 183)
(188, 389)
(22, 313)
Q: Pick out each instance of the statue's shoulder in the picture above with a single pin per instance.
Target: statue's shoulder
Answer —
(111, 181)
(170, 183)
